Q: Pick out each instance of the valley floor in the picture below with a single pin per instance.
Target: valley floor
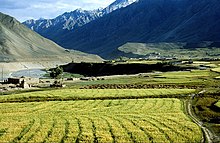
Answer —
(96, 115)
(6, 69)
(151, 107)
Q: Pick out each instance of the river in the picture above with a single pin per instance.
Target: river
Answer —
(34, 73)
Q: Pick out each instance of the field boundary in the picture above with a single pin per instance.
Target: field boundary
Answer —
(43, 99)
(208, 136)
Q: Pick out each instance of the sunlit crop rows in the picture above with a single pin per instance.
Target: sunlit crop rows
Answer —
(216, 69)
(73, 94)
(127, 120)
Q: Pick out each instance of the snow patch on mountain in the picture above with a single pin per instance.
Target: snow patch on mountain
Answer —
(117, 5)
(76, 18)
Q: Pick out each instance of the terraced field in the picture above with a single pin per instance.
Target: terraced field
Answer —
(125, 120)
(216, 69)
(88, 94)
(194, 77)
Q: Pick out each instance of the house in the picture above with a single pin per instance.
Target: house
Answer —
(14, 80)
(23, 80)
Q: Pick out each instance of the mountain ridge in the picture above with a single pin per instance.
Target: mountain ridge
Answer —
(191, 23)
(69, 21)
(148, 22)
(18, 43)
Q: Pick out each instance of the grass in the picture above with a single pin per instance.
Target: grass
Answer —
(218, 104)
(143, 61)
(207, 109)
(65, 75)
(2, 132)
(87, 94)
(194, 77)
(70, 75)
(128, 120)
(169, 50)
(216, 69)
(111, 115)
(187, 74)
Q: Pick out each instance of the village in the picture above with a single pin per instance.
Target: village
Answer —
(25, 83)
(29, 82)
(14, 83)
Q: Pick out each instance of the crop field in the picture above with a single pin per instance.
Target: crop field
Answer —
(87, 94)
(125, 120)
(187, 74)
(218, 104)
(216, 69)
(168, 49)
(108, 115)
(218, 77)
(179, 77)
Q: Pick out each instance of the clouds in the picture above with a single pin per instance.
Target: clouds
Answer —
(35, 9)
(11, 4)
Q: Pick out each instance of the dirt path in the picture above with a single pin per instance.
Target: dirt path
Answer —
(208, 136)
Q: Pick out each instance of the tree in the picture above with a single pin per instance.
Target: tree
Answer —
(56, 73)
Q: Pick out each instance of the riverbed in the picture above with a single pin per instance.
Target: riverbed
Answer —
(34, 73)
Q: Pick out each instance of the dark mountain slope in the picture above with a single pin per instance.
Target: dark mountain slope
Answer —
(148, 21)
(198, 21)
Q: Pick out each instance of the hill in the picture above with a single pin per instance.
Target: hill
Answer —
(149, 21)
(163, 50)
(18, 43)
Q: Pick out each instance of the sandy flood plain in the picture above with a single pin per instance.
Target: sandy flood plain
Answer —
(7, 68)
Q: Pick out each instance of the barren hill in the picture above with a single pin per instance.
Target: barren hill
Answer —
(18, 43)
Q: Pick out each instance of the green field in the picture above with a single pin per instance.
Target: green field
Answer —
(127, 120)
(216, 70)
(194, 77)
(169, 50)
(88, 94)
(218, 104)
(79, 114)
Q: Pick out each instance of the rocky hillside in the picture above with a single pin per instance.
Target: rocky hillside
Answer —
(18, 43)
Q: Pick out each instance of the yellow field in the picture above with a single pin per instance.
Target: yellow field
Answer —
(127, 120)
(82, 94)
(216, 69)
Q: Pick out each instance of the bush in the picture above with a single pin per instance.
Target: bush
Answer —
(56, 73)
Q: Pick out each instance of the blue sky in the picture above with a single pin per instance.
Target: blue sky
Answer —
(35, 9)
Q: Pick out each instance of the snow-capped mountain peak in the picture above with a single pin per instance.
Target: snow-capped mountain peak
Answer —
(76, 18)
(118, 4)
(71, 20)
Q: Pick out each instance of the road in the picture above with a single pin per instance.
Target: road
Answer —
(208, 135)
